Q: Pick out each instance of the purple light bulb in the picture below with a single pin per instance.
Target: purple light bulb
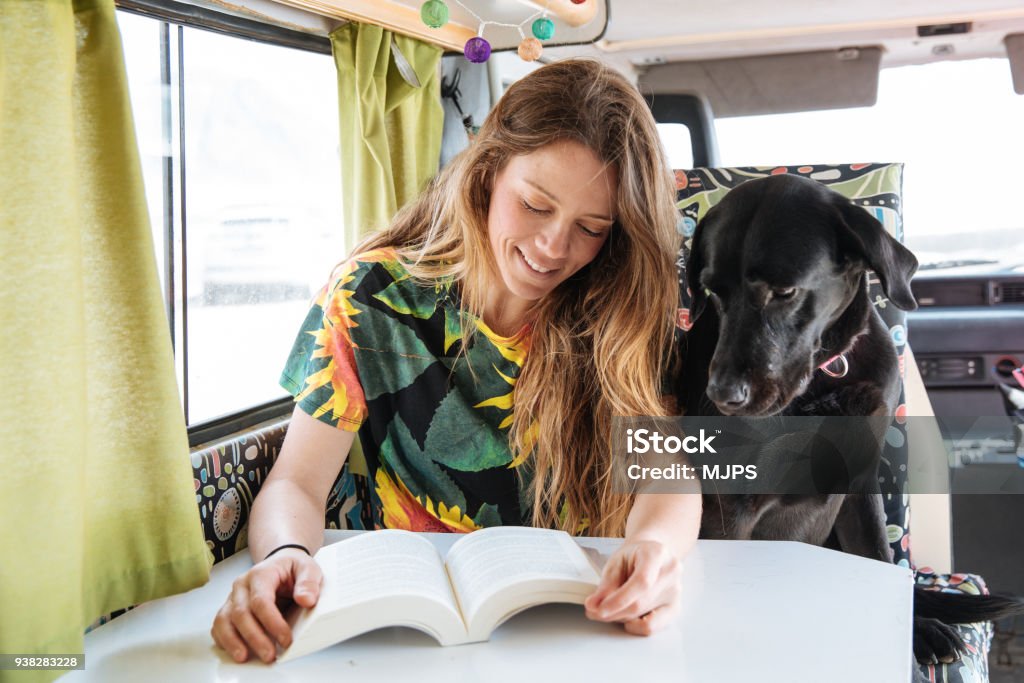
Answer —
(477, 50)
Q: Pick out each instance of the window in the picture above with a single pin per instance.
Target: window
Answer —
(250, 203)
(678, 146)
(956, 126)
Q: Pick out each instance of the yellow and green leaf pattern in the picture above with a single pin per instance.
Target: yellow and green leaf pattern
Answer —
(383, 354)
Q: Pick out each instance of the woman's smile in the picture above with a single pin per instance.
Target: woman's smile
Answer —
(535, 268)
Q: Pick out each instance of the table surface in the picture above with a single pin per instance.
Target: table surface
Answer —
(752, 610)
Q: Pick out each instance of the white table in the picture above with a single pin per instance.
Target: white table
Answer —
(752, 611)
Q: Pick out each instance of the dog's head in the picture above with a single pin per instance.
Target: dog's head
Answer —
(781, 259)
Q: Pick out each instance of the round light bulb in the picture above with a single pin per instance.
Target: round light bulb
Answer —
(543, 29)
(434, 13)
(477, 50)
(530, 49)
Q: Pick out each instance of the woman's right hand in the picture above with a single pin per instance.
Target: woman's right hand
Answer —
(251, 619)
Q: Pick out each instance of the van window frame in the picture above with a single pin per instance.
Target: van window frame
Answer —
(226, 24)
(693, 112)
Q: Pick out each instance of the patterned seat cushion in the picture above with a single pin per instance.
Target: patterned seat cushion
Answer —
(229, 474)
(973, 668)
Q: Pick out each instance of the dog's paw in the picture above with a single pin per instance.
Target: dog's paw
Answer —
(936, 642)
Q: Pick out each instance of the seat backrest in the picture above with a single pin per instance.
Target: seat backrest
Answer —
(227, 476)
(878, 188)
(230, 472)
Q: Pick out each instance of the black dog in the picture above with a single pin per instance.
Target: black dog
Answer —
(791, 331)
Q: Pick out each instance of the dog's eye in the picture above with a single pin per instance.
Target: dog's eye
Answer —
(784, 293)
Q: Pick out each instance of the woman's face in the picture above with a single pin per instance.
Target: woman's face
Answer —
(550, 213)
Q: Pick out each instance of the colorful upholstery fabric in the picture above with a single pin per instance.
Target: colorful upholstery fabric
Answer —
(227, 475)
(877, 188)
(973, 668)
(378, 353)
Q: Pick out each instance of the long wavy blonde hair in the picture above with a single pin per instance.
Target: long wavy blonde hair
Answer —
(600, 341)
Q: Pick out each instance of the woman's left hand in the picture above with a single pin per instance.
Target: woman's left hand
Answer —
(640, 587)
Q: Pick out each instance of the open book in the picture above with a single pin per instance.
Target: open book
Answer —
(398, 578)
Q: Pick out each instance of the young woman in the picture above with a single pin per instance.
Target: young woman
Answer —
(481, 345)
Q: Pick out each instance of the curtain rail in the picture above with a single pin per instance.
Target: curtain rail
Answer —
(228, 24)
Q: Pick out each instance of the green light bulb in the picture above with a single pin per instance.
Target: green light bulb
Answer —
(434, 13)
(543, 29)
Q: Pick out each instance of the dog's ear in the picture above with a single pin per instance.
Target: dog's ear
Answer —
(694, 267)
(892, 262)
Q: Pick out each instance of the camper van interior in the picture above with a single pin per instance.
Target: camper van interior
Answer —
(180, 179)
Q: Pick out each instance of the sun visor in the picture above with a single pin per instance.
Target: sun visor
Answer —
(1015, 51)
(774, 84)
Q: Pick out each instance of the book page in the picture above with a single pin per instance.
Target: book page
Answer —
(378, 564)
(380, 578)
(487, 561)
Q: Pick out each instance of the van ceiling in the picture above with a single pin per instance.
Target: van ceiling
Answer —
(642, 32)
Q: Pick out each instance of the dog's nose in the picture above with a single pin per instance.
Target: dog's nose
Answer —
(733, 393)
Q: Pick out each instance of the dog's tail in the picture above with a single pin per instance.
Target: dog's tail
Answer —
(960, 608)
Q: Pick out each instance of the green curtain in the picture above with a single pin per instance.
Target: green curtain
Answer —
(97, 497)
(390, 130)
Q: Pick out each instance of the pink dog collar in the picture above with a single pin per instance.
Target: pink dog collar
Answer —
(843, 364)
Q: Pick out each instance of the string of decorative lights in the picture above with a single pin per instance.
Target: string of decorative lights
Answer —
(434, 14)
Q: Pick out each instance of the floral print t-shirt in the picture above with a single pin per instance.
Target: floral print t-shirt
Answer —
(382, 354)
